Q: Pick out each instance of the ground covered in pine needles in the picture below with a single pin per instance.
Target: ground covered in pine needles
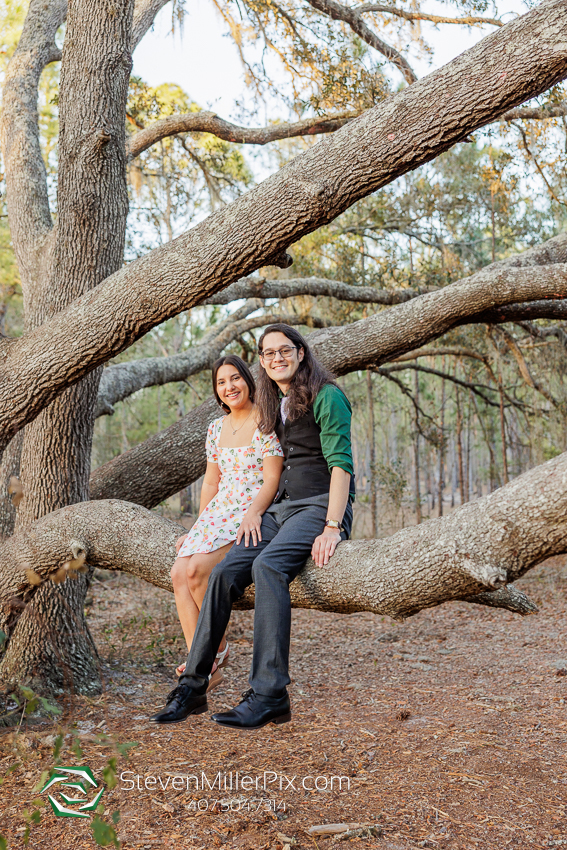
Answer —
(447, 731)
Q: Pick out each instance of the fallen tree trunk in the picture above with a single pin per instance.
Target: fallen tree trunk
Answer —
(476, 549)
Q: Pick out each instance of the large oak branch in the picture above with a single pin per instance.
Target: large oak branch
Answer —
(506, 68)
(478, 547)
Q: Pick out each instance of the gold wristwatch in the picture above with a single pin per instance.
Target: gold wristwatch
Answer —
(333, 523)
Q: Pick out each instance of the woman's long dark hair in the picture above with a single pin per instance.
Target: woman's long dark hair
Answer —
(241, 367)
(305, 385)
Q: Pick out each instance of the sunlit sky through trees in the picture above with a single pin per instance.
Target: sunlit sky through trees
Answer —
(204, 61)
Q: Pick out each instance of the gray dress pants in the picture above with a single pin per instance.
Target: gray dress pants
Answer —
(288, 531)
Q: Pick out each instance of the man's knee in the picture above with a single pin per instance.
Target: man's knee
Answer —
(230, 576)
(263, 566)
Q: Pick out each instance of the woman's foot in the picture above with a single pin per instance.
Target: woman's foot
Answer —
(223, 656)
(215, 679)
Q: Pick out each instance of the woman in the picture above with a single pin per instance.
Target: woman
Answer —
(241, 480)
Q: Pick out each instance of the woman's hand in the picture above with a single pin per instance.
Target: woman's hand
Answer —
(325, 545)
(180, 543)
(250, 528)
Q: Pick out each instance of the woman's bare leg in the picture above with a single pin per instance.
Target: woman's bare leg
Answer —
(197, 576)
(187, 611)
(190, 576)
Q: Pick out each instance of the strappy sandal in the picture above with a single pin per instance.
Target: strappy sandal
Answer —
(221, 660)
(216, 678)
(223, 657)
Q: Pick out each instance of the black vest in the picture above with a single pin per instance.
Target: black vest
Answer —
(305, 471)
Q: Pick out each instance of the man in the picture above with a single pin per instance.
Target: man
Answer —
(311, 513)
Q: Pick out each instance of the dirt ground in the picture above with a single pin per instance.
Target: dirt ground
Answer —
(450, 730)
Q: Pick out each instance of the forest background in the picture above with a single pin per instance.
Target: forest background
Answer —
(432, 431)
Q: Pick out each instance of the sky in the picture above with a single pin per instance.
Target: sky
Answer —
(203, 60)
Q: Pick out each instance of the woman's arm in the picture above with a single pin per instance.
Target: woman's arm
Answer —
(210, 486)
(252, 521)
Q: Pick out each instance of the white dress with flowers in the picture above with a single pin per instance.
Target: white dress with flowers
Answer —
(241, 476)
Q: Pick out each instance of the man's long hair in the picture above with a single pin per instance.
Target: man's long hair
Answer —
(305, 385)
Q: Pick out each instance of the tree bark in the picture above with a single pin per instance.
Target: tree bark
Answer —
(210, 122)
(10, 468)
(405, 131)
(479, 547)
(88, 246)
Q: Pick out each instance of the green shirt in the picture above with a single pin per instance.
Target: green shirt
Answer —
(332, 412)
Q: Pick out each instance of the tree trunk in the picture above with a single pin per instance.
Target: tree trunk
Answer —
(10, 468)
(442, 448)
(88, 247)
(459, 438)
(372, 450)
(418, 516)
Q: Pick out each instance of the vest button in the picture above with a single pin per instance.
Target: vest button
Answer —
(291, 449)
(289, 467)
(285, 482)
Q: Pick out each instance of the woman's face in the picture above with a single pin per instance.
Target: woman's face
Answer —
(232, 388)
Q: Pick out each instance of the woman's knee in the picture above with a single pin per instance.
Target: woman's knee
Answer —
(198, 571)
(179, 571)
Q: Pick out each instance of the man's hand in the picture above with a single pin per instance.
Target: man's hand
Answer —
(250, 528)
(180, 543)
(325, 545)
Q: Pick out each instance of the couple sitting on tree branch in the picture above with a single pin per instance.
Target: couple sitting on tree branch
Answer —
(278, 487)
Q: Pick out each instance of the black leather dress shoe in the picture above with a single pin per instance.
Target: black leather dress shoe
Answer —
(181, 702)
(254, 712)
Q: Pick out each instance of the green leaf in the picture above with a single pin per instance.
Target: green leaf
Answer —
(58, 744)
(103, 833)
(39, 785)
(77, 748)
(124, 748)
(49, 706)
(116, 818)
(31, 705)
(3, 639)
(3, 843)
(27, 692)
(109, 773)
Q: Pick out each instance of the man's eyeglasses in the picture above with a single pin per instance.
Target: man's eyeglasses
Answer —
(286, 352)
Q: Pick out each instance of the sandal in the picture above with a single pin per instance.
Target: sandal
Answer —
(222, 657)
(215, 679)
(221, 660)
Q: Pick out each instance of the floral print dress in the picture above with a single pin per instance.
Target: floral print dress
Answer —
(241, 476)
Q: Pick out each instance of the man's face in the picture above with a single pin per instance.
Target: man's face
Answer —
(282, 366)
